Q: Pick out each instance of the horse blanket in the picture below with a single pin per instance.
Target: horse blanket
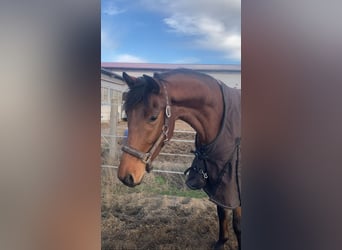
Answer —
(221, 158)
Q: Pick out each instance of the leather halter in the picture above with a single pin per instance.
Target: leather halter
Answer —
(146, 158)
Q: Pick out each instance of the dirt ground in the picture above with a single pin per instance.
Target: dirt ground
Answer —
(145, 218)
(141, 219)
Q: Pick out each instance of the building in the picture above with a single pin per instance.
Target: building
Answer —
(112, 87)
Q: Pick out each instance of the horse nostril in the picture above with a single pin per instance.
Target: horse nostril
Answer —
(129, 181)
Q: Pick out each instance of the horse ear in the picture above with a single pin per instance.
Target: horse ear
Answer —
(130, 80)
(153, 84)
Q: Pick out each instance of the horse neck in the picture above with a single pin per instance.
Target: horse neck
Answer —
(199, 104)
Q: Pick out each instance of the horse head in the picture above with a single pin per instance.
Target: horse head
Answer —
(148, 117)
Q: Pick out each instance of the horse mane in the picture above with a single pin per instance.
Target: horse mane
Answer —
(141, 91)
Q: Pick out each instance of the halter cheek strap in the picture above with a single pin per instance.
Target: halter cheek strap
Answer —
(146, 158)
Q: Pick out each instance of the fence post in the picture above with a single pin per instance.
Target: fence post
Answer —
(112, 131)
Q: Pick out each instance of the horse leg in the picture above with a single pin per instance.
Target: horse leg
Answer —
(223, 227)
(237, 224)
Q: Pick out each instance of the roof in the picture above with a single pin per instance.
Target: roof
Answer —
(169, 66)
(111, 74)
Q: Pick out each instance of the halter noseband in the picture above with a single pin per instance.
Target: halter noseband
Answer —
(146, 158)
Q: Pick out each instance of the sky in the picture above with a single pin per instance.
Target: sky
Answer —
(171, 31)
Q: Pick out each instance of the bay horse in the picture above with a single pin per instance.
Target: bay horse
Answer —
(153, 104)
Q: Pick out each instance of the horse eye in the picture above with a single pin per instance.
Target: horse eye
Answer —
(153, 118)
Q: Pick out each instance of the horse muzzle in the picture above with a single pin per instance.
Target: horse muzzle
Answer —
(129, 181)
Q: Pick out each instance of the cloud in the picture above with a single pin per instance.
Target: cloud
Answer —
(128, 58)
(214, 25)
(187, 60)
(112, 10)
(107, 40)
